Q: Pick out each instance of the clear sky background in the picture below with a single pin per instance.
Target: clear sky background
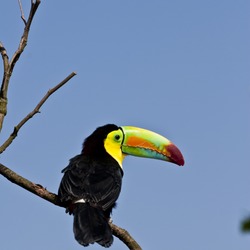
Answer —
(179, 68)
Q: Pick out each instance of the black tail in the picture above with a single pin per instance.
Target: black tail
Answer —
(91, 225)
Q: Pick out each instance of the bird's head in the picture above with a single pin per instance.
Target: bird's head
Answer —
(127, 140)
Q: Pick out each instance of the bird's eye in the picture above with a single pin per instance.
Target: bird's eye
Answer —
(117, 137)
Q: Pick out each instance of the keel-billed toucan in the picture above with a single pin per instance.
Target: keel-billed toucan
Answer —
(92, 181)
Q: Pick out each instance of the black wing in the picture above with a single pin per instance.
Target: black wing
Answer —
(96, 182)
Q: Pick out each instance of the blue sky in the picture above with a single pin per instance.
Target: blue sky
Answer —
(179, 68)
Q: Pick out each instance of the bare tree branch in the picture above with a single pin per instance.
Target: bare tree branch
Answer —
(33, 112)
(28, 185)
(4, 57)
(40, 191)
(9, 65)
(3, 101)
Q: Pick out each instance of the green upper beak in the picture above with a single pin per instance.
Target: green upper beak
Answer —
(145, 143)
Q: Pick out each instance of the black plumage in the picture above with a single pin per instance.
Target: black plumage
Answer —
(96, 177)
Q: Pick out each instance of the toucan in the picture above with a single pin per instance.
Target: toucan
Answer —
(92, 181)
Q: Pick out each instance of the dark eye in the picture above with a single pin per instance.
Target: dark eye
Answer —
(117, 137)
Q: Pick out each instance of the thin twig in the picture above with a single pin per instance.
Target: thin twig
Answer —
(22, 13)
(40, 191)
(33, 112)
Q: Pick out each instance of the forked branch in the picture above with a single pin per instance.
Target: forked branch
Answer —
(9, 65)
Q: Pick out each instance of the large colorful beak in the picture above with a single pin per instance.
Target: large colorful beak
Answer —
(144, 143)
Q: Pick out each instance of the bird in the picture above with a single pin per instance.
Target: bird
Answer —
(92, 181)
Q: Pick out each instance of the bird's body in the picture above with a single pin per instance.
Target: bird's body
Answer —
(92, 184)
(92, 181)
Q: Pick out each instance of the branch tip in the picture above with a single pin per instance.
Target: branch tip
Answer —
(22, 13)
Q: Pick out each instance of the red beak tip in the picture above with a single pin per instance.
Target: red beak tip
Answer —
(179, 161)
(182, 162)
(175, 155)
